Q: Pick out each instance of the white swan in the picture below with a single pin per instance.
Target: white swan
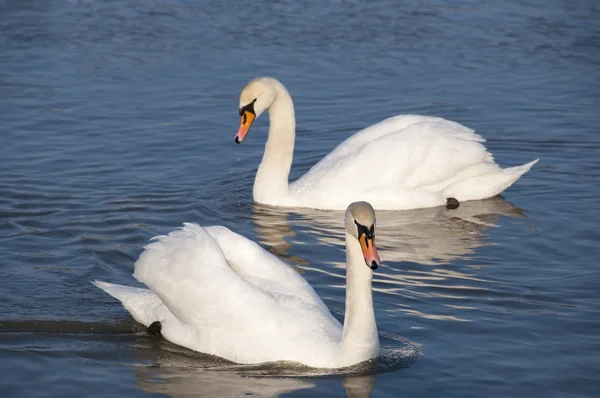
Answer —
(404, 162)
(217, 292)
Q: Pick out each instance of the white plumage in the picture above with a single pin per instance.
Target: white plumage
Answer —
(404, 162)
(219, 293)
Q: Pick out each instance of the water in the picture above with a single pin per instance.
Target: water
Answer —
(117, 122)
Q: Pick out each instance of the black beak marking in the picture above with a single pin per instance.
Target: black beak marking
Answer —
(368, 232)
(373, 265)
(249, 107)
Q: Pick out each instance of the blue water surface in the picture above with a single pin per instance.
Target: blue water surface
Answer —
(117, 123)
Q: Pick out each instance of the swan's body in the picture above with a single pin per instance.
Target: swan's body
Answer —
(219, 293)
(404, 162)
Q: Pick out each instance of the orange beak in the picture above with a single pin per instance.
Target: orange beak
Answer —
(369, 252)
(245, 123)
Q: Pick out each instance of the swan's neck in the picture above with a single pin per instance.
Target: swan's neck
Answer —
(271, 183)
(360, 341)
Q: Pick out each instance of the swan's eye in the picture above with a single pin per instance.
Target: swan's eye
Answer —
(249, 107)
(371, 232)
(362, 230)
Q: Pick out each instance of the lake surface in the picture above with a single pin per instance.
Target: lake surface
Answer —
(117, 123)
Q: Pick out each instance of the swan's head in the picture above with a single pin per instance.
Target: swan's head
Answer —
(360, 223)
(256, 97)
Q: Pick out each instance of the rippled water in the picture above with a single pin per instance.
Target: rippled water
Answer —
(117, 122)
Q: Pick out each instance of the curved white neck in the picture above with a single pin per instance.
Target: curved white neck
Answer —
(360, 341)
(271, 182)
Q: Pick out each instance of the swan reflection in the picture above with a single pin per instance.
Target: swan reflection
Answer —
(417, 248)
(359, 386)
(183, 383)
(183, 374)
(425, 236)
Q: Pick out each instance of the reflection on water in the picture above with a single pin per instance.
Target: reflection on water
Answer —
(159, 366)
(359, 387)
(425, 236)
(274, 231)
(185, 382)
(178, 372)
(417, 249)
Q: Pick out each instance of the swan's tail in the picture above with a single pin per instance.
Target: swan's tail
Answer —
(512, 174)
(488, 184)
(143, 305)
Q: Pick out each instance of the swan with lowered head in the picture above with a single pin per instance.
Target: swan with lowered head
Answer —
(404, 162)
(217, 292)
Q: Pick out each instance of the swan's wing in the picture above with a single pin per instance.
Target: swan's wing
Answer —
(221, 313)
(388, 126)
(404, 152)
(261, 268)
(189, 273)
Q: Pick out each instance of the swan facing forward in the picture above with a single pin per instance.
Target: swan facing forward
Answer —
(404, 162)
(217, 292)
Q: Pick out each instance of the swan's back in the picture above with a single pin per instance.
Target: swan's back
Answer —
(396, 124)
(388, 162)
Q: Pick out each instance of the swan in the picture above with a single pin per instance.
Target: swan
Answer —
(217, 292)
(401, 163)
